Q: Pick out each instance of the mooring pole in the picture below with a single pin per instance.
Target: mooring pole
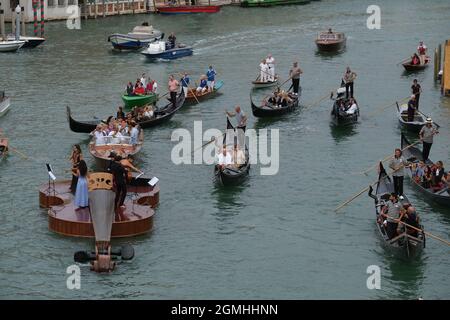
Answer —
(23, 21)
(18, 10)
(35, 18)
(42, 18)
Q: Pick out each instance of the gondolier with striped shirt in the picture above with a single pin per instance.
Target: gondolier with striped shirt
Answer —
(426, 136)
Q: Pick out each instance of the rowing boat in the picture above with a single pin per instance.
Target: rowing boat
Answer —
(266, 84)
(270, 110)
(416, 67)
(414, 155)
(193, 96)
(139, 100)
(161, 115)
(404, 245)
(228, 176)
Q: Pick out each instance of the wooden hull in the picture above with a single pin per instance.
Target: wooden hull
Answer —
(190, 99)
(232, 177)
(259, 85)
(139, 100)
(266, 111)
(65, 220)
(270, 3)
(331, 46)
(413, 154)
(169, 10)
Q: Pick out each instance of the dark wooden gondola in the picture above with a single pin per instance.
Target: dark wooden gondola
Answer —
(413, 126)
(232, 176)
(338, 116)
(270, 110)
(404, 245)
(414, 155)
(161, 115)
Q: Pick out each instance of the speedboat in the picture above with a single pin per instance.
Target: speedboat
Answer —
(9, 46)
(139, 38)
(161, 50)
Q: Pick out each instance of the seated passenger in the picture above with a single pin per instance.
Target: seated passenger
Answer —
(139, 90)
(419, 171)
(202, 86)
(238, 157)
(134, 134)
(353, 107)
(415, 60)
(130, 91)
(427, 177)
(148, 112)
(412, 219)
(224, 158)
(437, 174)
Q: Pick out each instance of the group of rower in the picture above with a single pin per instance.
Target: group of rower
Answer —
(206, 82)
(143, 86)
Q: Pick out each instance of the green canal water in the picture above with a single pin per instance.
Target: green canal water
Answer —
(273, 237)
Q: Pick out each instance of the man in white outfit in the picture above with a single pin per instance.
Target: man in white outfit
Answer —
(264, 71)
(271, 64)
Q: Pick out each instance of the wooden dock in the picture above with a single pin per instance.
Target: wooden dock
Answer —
(446, 70)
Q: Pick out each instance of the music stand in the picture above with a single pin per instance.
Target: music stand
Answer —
(51, 183)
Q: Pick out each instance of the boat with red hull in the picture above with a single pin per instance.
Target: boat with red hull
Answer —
(187, 9)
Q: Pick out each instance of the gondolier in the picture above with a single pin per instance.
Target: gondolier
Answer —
(349, 78)
(294, 74)
(241, 120)
(426, 136)
(271, 64)
(397, 164)
(211, 74)
(185, 83)
(173, 89)
(422, 51)
(416, 90)
(411, 108)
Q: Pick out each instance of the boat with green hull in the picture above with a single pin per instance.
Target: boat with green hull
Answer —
(269, 3)
(139, 100)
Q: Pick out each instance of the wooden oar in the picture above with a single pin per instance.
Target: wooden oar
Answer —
(421, 230)
(389, 157)
(403, 61)
(438, 126)
(18, 152)
(363, 190)
(205, 144)
(379, 110)
(318, 101)
(193, 94)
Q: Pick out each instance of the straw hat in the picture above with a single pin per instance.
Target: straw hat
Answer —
(429, 120)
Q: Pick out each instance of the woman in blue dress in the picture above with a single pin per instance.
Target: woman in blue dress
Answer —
(81, 193)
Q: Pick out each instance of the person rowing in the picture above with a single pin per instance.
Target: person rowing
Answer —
(422, 51)
(391, 213)
(203, 83)
(211, 77)
(411, 108)
(264, 71)
(426, 135)
(271, 65)
(185, 83)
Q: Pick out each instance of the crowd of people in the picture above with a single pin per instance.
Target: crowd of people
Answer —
(143, 86)
(431, 176)
(279, 99)
(118, 130)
